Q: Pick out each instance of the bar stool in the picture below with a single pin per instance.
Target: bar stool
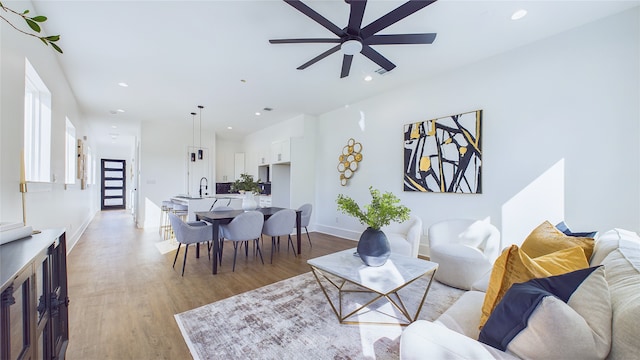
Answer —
(165, 225)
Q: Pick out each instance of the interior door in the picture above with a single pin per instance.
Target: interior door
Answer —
(114, 181)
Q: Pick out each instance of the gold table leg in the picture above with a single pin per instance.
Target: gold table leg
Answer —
(342, 292)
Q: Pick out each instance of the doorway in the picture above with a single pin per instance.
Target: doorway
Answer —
(114, 183)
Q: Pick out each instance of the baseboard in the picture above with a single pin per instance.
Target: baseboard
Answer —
(343, 233)
(72, 239)
(423, 250)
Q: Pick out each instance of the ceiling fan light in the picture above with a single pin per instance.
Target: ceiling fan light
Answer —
(351, 47)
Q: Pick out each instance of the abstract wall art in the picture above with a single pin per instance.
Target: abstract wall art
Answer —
(444, 154)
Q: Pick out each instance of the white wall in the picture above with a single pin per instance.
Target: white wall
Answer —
(47, 205)
(164, 159)
(572, 98)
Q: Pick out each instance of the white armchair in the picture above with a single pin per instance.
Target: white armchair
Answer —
(465, 250)
(404, 238)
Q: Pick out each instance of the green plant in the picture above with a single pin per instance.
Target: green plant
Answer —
(33, 24)
(384, 209)
(245, 184)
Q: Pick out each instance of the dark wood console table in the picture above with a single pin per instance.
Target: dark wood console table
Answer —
(34, 321)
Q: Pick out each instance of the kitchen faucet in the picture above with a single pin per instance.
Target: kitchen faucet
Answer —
(206, 185)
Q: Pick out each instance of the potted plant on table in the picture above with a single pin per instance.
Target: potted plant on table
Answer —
(373, 246)
(248, 188)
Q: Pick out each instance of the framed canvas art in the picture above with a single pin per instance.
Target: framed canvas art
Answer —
(444, 154)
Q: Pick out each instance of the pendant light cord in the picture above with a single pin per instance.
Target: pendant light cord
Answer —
(200, 144)
(193, 130)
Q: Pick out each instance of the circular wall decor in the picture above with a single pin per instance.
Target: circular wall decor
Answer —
(348, 160)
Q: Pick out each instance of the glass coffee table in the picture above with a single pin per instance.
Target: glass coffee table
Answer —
(393, 293)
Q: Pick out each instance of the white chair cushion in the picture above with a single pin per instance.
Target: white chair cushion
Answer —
(460, 265)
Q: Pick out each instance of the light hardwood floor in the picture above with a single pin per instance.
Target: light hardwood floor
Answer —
(124, 293)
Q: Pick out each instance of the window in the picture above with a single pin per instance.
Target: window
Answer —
(70, 154)
(37, 127)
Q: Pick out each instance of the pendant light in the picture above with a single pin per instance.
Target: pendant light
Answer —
(200, 152)
(193, 136)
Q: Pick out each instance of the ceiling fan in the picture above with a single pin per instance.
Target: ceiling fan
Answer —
(357, 39)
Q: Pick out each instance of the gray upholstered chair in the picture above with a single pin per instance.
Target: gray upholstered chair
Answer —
(305, 218)
(189, 233)
(280, 224)
(244, 227)
(220, 237)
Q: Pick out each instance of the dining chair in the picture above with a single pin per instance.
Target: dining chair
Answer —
(220, 238)
(244, 227)
(305, 218)
(280, 224)
(189, 233)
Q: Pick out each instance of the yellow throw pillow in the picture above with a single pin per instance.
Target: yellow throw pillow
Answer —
(546, 239)
(515, 266)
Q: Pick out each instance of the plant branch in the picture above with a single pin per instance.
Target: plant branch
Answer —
(33, 24)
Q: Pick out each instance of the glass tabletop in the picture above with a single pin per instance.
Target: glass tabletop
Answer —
(394, 274)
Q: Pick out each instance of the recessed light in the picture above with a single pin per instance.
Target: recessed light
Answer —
(229, 128)
(258, 114)
(368, 78)
(120, 110)
(123, 84)
(519, 14)
(114, 127)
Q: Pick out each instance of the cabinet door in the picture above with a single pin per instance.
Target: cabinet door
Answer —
(15, 319)
(280, 151)
(59, 301)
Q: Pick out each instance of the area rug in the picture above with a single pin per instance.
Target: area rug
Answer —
(166, 246)
(292, 319)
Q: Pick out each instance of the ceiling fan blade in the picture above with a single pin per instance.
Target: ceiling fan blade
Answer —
(355, 16)
(394, 16)
(303, 8)
(346, 65)
(400, 39)
(377, 58)
(309, 41)
(319, 57)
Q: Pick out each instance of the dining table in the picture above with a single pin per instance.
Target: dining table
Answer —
(216, 218)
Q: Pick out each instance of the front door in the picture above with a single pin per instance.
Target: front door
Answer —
(113, 184)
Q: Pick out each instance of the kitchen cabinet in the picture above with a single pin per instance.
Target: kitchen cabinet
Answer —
(264, 201)
(281, 151)
(263, 158)
(33, 302)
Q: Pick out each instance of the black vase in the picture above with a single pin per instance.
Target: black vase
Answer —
(373, 247)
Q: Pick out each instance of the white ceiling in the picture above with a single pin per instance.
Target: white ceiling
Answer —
(176, 55)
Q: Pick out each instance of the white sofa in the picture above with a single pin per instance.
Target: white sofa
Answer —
(453, 334)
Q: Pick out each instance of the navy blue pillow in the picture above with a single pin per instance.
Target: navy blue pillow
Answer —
(511, 314)
(562, 226)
